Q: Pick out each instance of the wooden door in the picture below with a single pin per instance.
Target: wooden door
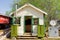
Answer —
(28, 25)
(28, 28)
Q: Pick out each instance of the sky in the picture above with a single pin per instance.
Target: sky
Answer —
(5, 5)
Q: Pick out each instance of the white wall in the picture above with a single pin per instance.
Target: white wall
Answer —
(53, 32)
(34, 30)
(21, 28)
(28, 11)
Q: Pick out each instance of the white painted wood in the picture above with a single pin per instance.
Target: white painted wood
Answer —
(20, 30)
(29, 5)
(28, 11)
(34, 30)
(31, 12)
(53, 32)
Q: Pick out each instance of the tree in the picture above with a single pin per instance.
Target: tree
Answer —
(50, 6)
(47, 5)
(7, 13)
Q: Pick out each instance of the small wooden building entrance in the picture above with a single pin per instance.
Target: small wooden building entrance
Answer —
(28, 24)
(31, 20)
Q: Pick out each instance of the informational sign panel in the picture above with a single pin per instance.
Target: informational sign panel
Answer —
(52, 22)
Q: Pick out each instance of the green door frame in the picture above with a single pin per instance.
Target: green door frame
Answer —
(25, 25)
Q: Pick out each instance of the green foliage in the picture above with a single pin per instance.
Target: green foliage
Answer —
(13, 30)
(41, 30)
(7, 13)
(52, 7)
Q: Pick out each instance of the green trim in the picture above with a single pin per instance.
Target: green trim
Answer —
(44, 22)
(24, 23)
(11, 20)
(32, 25)
(14, 20)
(33, 21)
(44, 18)
(38, 21)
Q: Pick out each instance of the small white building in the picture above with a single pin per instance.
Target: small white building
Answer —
(28, 17)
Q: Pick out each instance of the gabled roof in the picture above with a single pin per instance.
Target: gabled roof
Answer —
(30, 6)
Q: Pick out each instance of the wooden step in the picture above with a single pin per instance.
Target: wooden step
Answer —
(26, 37)
(26, 34)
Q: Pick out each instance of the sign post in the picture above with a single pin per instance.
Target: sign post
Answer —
(53, 23)
(53, 30)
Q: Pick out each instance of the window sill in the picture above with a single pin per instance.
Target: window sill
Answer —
(17, 24)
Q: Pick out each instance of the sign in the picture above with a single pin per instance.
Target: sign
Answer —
(52, 22)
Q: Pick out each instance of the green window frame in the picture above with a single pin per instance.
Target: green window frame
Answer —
(17, 20)
(35, 21)
(25, 26)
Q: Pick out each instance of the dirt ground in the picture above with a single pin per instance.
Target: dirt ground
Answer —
(39, 39)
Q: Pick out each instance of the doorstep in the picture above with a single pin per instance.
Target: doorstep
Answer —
(26, 35)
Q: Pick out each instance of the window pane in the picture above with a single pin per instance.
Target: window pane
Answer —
(35, 21)
(17, 20)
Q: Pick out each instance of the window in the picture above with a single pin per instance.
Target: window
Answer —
(17, 20)
(35, 21)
